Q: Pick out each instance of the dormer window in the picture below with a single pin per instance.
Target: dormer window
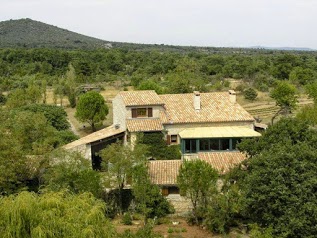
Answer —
(142, 112)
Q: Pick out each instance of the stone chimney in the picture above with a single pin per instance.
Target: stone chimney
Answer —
(197, 100)
(232, 96)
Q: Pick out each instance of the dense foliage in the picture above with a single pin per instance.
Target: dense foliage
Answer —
(52, 214)
(148, 198)
(157, 147)
(68, 170)
(167, 71)
(197, 181)
(279, 184)
(91, 108)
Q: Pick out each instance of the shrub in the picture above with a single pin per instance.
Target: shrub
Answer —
(127, 219)
(250, 94)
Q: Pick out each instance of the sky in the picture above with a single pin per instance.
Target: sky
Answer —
(221, 23)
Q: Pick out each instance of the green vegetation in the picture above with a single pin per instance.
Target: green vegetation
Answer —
(279, 184)
(47, 192)
(91, 108)
(149, 200)
(157, 147)
(27, 33)
(250, 94)
(53, 214)
(197, 180)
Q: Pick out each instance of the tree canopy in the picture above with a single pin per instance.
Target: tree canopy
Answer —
(91, 108)
(280, 181)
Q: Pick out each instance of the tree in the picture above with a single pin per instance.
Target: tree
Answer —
(91, 108)
(250, 94)
(302, 76)
(197, 180)
(69, 170)
(150, 85)
(280, 181)
(117, 162)
(311, 90)
(13, 164)
(149, 200)
(285, 97)
(308, 114)
(157, 147)
(280, 189)
(71, 85)
(53, 214)
(55, 115)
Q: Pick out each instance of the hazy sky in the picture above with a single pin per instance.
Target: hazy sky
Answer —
(225, 23)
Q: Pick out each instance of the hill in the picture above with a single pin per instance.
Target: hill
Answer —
(28, 33)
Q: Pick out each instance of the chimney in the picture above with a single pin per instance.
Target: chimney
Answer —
(197, 100)
(232, 96)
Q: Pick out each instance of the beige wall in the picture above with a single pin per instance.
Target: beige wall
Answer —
(84, 150)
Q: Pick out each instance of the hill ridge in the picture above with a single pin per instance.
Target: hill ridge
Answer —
(29, 33)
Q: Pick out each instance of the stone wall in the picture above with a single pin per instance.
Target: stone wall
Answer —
(181, 204)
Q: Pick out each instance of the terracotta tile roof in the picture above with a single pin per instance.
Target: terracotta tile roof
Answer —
(215, 107)
(98, 135)
(140, 98)
(164, 172)
(134, 125)
(222, 161)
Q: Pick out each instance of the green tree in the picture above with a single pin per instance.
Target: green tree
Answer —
(13, 164)
(69, 170)
(150, 85)
(285, 97)
(250, 94)
(52, 214)
(91, 108)
(302, 76)
(157, 147)
(311, 90)
(279, 183)
(224, 208)
(148, 197)
(71, 85)
(197, 181)
(308, 114)
(117, 162)
(55, 115)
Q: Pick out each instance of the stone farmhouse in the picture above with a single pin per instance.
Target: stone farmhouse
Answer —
(207, 126)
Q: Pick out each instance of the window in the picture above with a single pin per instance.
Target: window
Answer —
(142, 112)
(173, 138)
(224, 144)
(173, 190)
(214, 144)
(204, 144)
(190, 146)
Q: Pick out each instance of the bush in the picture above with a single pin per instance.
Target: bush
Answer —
(250, 94)
(127, 219)
(53, 214)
